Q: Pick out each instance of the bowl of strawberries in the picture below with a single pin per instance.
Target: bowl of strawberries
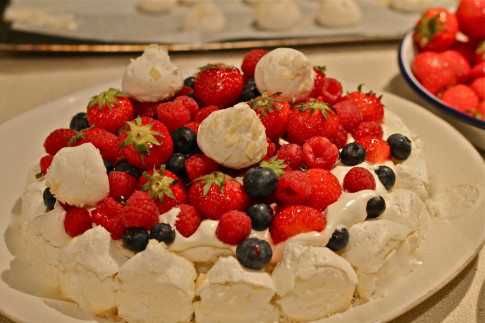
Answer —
(443, 60)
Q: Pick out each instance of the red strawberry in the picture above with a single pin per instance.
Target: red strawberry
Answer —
(294, 219)
(106, 142)
(110, 110)
(146, 109)
(310, 119)
(233, 227)
(471, 18)
(188, 220)
(121, 184)
(250, 59)
(478, 85)
(205, 112)
(146, 143)
(293, 188)
(164, 187)
(436, 30)
(358, 179)
(369, 104)
(377, 149)
(218, 85)
(326, 188)
(278, 165)
(317, 83)
(461, 97)
(430, 70)
(349, 114)
(199, 165)
(194, 126)
(340, 138)
(77, 221)
(108, 215)
(477, 71)
(58, 139)
(273, 112)
(140, 211)
(45, 163)
(217, 193)
(457, 64)
(292, 154)
(330, 90)
(320, 152)
(368, 128)
(173, 115)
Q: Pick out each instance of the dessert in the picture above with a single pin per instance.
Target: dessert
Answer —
(338, 13)
(297, 227)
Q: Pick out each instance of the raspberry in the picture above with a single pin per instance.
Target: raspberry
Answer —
(146, 109)
(233, 227)
(250, 60)
(461, 97)
(292, 154)
(140, 211)
(45, 163)
(330, 90)
(340, 138)
(199, 165)
(188, 220)
(106, 142)
(368, 128)
(358, 179)
(108, 215)
(77, 221)
(319, 152)
(57, 140)
(205, 112)
(349, 115)
(293, 188)
(173, 115)
(189, 103)
(121, 185)
(326, 188)
(377, 149)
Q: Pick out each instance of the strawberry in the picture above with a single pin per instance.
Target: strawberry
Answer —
(435, 30)
(164, 187)
(199, 165)
(461, 97)
(173, 115)
(340, 138)
(108, 215)
(273, 112)
(188, 220)
(205, 112)
(250, 59)
(233, 227)
(470, 15)
(77, 221)
(217, 193)
(57, 140)
(140, 211)
(278, 165)
(146, 143)
(457, 64)
(293, 188)
(121, 184)
(310, 119)
(377, 149)
(349, 114)
(358, 179)
(368, 128)
(369, 104)
(317, 83)
(326, 188)
(110, 110)
(145, 109)
(477, 71)
(320, 152)
(291, 220)
(45, 163)
(292, 154)
(478, 85)
(219, 85)
(430, 70)
(106, 142)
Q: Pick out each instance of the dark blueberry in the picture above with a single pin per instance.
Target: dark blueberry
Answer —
(79, 122)
(339, 240)
(189, 81)
(352, 154)
(121, 200)
(254, 253)
(400, 146)
(176, 164)
(49, 199)
(250, 91)
(109, 167)
(184, 140)
(163, 232)
(135, 239)
(375, 207)
(124, 166)
(260, 181)
(261, 215)
(386, 176)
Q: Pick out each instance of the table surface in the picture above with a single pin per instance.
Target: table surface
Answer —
(28, 80)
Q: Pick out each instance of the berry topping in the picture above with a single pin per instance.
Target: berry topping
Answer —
(79, 121)
(250, 91)
(110, 110)
(184, 140)
(293, 188)
(273, 112)
(124, 166)
(368, 128)
(349, 114)
(339, 240)
(135, 239)
(162, 232)
(375, 207)
(386, 176)
(400, 146)
(369, 104)
(377, 149)
(249, 61)
(45, 162)
(352, 154)
(176, 164)
(358, 179)
(233, 227)
(199, 165)
(49, 199)
(326, 188)
(292, 154)
(261, 215)
(254, 253)
(319, 152)
(140, 211)
(121, 184)
(77, 221)
(278, 165)
(329, 91)
(260, 181)
(57, 140)
(108, 215)
(173, 115)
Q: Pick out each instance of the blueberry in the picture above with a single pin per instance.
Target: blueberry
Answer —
(184, 140)
(400, 146)
(375, 207)
(189, 81)
(260, 181)
(163, 232)
(386, 176)
(49, 199)
(109, 167)
(352, 154)
(124, 166)
(254, 253)
(250, 91)
(339, 240)
(79, 122)
(135, 239)
(176, 164)
(261, 215)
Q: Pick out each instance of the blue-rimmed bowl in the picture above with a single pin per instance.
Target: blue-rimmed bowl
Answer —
(472, 128)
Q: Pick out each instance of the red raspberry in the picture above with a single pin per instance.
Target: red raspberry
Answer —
(188, 220)
(108, 215)
(326, 188)
(193, 125)
(45, 163)
(377, 149)
(205, 112)
(121, 184)
(478, 85)
(358, 179)
(330, 90)
(233, 227)
(57, 140)
(292, 154)
(77, 221)
(461, 97)
(340, 138)
(319, 152)
(199, 165)
(140, 211)
(173, 115)
(189, 103)
(250, 60)
(348, 114)
(293, 188)
(457, 64)
(146, 109)
(368, 128)
(105, 141)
